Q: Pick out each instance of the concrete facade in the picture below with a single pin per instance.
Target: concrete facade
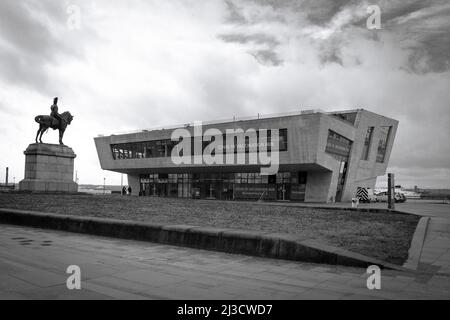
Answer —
(307, 137)
(48, 168)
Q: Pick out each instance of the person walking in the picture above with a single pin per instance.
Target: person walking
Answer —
(124, 191)
(129, 190)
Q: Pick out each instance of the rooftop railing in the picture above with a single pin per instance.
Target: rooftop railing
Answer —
(219, 121)
(228, 120)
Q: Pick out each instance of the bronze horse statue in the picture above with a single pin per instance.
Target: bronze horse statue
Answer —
(46, 122)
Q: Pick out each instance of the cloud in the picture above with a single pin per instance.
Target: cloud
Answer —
(258, 38)
(266, 57)
(234, 16)
(422, 28)
(263, 47)
(30, 43)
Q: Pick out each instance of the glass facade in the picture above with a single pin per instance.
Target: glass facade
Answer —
(163, 148)
(226, 186)
(339, 147)
(382, 144)
(144, 149)
(367, 143)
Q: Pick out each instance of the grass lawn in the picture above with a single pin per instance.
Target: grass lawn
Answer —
(385, 236)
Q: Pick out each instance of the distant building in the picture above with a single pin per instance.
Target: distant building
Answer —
(93, 189)
(4, 187)
(323, 157)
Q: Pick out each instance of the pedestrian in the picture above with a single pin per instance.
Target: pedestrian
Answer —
(124, 191)
(129, 190)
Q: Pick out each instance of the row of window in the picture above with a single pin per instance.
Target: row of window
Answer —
(382, 143)
(240, 177)
(163, 148)
(339, 146)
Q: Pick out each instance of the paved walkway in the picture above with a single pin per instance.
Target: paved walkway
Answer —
(33, 264)
(429, 208)
(436, 250)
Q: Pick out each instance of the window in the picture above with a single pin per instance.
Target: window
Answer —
(265, 179)
(283, 140)
(338, 146)
(298, 177)
(367, 143)
(382, 144)
(163, 177)
(142, 149)
(238, 177)
(283, 177)
(349, 117)
(163, 148)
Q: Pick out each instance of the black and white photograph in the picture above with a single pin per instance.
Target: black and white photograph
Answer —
(224, 156)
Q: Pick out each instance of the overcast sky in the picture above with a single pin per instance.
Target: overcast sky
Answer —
(142, 64)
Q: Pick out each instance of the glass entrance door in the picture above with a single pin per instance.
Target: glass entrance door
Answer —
(283, 191)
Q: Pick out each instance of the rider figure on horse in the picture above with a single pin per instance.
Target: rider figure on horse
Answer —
(55, 121)
(54, 114)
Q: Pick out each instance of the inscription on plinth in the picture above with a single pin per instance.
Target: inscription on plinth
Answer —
(48, 168)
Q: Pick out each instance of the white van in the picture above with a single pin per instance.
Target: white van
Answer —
(366, 195)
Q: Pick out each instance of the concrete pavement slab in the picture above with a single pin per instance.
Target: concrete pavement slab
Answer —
(126, 269)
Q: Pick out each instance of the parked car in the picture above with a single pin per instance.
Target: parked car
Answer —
(372, 196)
(402, 197)
(398, 197)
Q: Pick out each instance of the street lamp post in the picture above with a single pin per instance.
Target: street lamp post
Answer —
(104, 185)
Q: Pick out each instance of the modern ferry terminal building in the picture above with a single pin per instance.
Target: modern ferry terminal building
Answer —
(322, 157)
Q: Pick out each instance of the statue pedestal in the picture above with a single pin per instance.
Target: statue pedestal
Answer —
(48, 168)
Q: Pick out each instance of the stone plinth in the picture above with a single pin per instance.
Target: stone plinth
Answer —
(48, 168)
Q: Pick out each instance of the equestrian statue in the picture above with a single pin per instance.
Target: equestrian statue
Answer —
(54, 121)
